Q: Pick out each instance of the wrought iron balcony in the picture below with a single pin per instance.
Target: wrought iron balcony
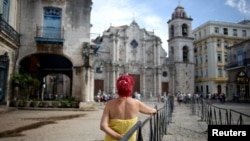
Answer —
(9, 31)
(50, 35)
(238, 64)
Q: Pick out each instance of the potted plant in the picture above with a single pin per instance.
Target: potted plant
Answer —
(18, 82)
(32, 84)
(24, 85)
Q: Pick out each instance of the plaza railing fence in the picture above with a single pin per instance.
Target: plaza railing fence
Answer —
(154, 127)
(215, 115)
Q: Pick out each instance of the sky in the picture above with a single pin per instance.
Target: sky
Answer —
(152, 15)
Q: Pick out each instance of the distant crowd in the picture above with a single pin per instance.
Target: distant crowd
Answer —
(104, 97)
(211, 98)
(181, 97)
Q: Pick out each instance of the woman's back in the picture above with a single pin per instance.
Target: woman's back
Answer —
(120, 114)
(123, 108)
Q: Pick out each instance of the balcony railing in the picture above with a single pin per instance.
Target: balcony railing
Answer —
(51, 35)
(9, 31)
(237, 64)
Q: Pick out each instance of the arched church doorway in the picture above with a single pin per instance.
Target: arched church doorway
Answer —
(137, 82)
(164, 87)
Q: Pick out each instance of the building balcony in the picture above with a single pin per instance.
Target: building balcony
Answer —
(8, 31)
(238, 64)
(49, 35)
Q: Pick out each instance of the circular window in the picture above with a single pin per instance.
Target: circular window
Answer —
(165, 74)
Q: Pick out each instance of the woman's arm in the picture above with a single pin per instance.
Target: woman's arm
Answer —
(104, 124)
(143, 108)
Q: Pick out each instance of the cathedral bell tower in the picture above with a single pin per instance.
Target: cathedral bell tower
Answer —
(181, 52)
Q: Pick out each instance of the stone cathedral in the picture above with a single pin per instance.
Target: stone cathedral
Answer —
(129, 49)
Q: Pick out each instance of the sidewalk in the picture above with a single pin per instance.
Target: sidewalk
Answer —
(185, 126)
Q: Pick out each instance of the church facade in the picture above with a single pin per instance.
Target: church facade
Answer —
(131, 50)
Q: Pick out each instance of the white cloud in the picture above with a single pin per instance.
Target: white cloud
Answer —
(241, 5)
(231, 3)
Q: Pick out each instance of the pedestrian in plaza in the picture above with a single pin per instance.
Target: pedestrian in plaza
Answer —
(120, 114)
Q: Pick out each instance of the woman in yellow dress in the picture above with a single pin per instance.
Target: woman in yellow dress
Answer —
(120, 114)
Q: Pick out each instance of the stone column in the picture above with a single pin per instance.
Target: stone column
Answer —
(88, 79)
(158, 81)
(153, 83)
(113, 79)
(77, 83)
(91, 85)
(87, 92)
(143, 82)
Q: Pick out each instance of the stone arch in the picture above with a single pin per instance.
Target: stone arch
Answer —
(42, 65)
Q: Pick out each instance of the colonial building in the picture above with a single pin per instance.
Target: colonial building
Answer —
(9, 45)
(54, 47)
(211, 55)
(238, 68)
(135, 51)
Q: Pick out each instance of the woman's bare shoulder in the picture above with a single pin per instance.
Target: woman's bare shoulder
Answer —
(111, 102)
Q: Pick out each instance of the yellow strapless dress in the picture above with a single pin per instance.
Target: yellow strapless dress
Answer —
(121, 127)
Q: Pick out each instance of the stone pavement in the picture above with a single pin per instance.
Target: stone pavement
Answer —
(52, 124)
(75, 125)
(185, 126)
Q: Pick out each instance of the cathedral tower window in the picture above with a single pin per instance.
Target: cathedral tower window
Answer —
(172, 53)
(185, 54)
(184, 30)
(172, 31)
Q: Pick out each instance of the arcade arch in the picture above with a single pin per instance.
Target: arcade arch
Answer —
(54, 73)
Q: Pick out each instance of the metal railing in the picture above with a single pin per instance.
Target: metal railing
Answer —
(238, 118)
(9, 31)
(49, 32)
(215, 115)
(235, 64)
(155, 125)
